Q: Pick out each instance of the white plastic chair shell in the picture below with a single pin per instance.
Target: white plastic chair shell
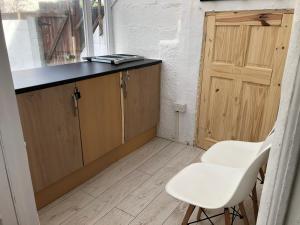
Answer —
(212, 186)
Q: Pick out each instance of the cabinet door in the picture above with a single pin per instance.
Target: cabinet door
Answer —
(141, 100)
(100, 115)
(51, 130)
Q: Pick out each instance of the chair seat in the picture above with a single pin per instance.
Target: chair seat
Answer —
(237, 154)
(205, 185)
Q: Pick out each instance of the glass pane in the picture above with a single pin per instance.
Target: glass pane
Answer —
(98, 26)
(42, 32)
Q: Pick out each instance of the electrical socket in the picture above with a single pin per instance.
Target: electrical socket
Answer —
(178, 107)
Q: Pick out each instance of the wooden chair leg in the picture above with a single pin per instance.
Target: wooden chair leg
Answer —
(255, 202)
(227, 217)
(188, 214)
(262, 175)
(199, 213)
(244, 214)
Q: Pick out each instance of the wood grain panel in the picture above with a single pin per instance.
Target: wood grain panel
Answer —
(262, 45)
(220, 111)
(247, 73)
(225, 44)
(251, 111)
(280, 54)
(100, 114)
(52, 135)
(249, 18)
(253, 62)
(142, 102)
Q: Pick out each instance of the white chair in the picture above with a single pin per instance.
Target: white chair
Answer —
(237, 154)
(211, 186)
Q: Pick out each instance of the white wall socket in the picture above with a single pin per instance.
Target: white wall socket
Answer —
(178, 107)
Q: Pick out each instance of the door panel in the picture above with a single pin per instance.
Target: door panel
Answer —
(225, 44)
(220, 108)
(251, 110)
(52, 135)
(261, 46)
(100, 114)
(142, 100)
(244, 57)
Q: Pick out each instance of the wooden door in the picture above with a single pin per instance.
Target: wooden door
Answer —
(141, 100)
(244, 58)
(100, 115)
(52, 135)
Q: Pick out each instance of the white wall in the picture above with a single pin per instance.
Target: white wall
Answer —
(172, 30)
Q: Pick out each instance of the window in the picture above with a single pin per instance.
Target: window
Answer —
(50, 32)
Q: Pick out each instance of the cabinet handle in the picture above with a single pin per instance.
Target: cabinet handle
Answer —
(76, 96)
(125, 79)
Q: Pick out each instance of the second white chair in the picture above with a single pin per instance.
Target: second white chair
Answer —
(238, 154)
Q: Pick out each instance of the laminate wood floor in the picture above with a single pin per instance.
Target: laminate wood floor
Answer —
(131, 191)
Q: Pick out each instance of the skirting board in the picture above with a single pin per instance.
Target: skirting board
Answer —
(53, 192)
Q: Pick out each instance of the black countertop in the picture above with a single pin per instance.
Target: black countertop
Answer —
(39, 78)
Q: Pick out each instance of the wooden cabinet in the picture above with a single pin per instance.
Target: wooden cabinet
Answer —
(141, 93)
(100, 114)
(51, 131)
(74, 131)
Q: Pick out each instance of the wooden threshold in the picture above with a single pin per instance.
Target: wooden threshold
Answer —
(56, 190)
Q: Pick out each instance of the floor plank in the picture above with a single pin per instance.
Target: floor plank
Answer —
(107, 200)
(115, 217)
(135, 202)
(117, 171)
(157, 212)
(160, 159)
(64, 208)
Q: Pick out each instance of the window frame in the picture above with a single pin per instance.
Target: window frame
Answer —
(107, 27)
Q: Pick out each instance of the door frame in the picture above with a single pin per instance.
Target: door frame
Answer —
(202, 57)
(13, 145)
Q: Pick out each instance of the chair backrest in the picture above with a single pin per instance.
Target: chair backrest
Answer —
(268, 141)
(249, 177)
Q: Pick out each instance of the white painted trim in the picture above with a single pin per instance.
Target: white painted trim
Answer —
(108, 26)
(284, 156)
(12, 141)
(88, 27)
(7, 209)
(113, 3)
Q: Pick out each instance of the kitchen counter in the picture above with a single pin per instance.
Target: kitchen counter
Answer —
(44, 77)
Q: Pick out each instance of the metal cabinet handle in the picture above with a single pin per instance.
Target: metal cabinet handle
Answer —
(76, 96)
(125, 78)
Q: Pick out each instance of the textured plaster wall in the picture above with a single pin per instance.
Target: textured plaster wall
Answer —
(172, 30)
